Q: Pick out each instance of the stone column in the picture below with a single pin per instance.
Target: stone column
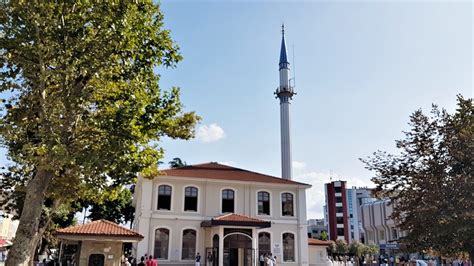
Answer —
(221, 245)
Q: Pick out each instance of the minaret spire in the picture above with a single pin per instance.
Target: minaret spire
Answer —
(285, 93)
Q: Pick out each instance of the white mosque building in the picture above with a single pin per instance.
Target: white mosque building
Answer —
(228, 215)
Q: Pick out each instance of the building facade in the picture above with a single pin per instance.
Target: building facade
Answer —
(336, 210)
(379, 227)
(355, 198)
(229, 215)
(8, 226)
(316, 227)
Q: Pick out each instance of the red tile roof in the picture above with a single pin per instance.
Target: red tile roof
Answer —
(317, 242)
(5, 243)
(237, 218)
(98, 228)
(218, 171)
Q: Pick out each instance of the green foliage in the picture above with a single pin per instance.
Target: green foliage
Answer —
(116, 206)
(85, 110)
(370, 249)
(331, 249)
(356, 248)
(430, 182)
(87, 103)
(323, 236)
(341, 247)
(177, 162)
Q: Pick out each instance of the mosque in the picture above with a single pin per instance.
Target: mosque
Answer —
(230, 216)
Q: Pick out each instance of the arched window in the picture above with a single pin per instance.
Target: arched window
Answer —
(227, 200)
(189, 244)
(288, 247)
(263, 203)
(190, 199)
(264, 244)
(162, 239)
(164, 197)
(287, 204)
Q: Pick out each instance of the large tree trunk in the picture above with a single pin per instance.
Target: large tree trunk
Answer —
(27, 234)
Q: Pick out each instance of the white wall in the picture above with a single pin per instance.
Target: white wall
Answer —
(148, 218)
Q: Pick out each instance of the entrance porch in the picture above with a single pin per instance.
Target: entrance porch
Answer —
(232, 240)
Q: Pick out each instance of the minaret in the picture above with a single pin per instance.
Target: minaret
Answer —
(285, 93)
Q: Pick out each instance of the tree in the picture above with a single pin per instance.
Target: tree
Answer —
(323, 236)
(85, 111)
(116, 206)
(341, 247)
(370, 249)
(430, 183)
(356, 248)
(177, 162)
(331, 248)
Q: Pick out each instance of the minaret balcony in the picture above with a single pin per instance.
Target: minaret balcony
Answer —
(285, 91)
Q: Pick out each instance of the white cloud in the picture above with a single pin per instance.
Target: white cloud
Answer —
(299, 165)
(315, 196)
(210, 133)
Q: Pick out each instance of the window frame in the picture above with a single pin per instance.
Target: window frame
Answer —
(283, 247)
(195, 243)
(258, 240)
(222, 199)
(169, 242)
(269, 203)
(197, 198)
(281, 204)
(158, 195)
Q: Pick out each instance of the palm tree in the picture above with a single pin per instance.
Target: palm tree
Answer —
(177, 162)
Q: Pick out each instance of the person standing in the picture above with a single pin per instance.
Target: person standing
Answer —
(262, 259)
(151, 261)
(198, 259)
(142, 261)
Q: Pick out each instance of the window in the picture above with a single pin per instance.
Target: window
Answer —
(394, 234)
(337, 189)
(189, 244)
(381, 235)
(190, 199)
(263, 203)
(338, 199)
(162, 238)
(370, 236)
(227, 200)
(288, 247)
(264, 245)
(164, 197)
(340, 220)
(339, 209)
(340, 231)
(287, 204)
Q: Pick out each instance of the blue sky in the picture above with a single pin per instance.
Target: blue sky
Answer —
(361, 69)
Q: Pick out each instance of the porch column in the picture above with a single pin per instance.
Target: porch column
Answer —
(255, 245)
(221, 245)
